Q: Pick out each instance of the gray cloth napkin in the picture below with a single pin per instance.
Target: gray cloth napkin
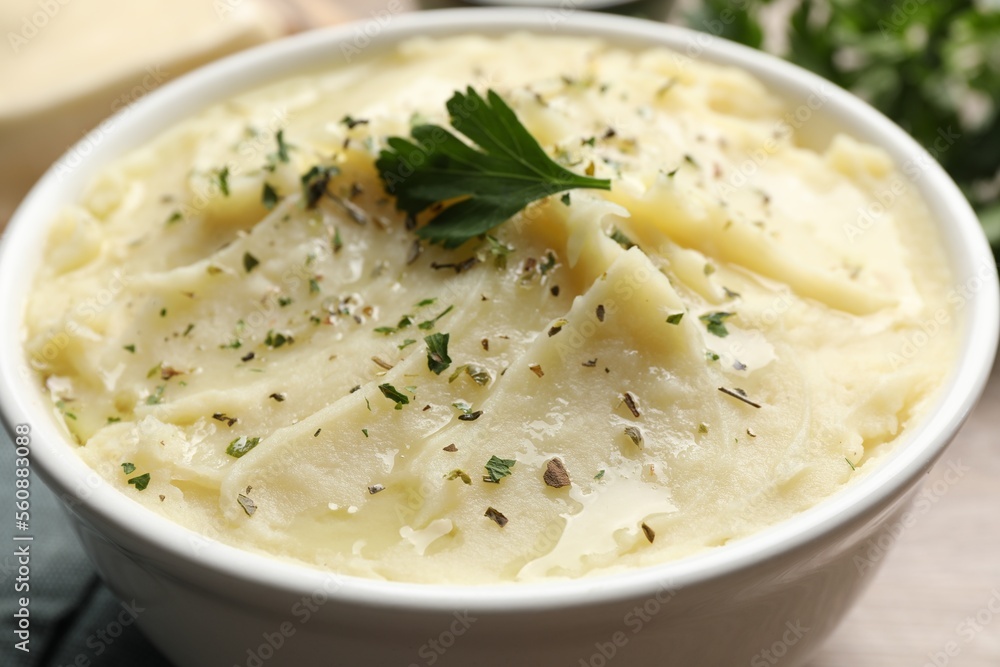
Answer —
(73, 615)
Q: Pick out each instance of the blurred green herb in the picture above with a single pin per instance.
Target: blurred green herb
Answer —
(932, 67)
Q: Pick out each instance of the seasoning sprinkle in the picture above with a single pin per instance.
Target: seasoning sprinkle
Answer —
(600, 312)
(241, 446)
(394, 395)
(248, 505)
(470, 416)
(459, 474)
(141, 482)
(536, 369)
(278, 396)
(375, 488)
(648, 532)
(223, 417)
(630, 402)
(715, 323)
(555, 474)
(437, 352)
(450, 448)
(496, 516)
(591, 363)
(739, 394)
(382, 363)
(249, 262)
(498, 468)
(635, 435)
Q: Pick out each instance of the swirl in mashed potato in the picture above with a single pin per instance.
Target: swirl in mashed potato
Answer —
(720, 342)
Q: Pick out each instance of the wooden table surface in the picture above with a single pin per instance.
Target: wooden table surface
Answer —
(929, 605)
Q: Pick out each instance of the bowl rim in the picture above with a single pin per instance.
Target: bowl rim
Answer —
(175, 547)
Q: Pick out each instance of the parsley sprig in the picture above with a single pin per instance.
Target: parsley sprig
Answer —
(501, 175)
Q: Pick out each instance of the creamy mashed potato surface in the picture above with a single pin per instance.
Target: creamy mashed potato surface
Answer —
(720, 342)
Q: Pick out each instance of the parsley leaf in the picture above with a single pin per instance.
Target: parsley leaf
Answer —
(269, 196)
(141, 482)
(222, 176)
(394, 395)
(437, 352)
(315, 182)
(715, 323)
(241, 446)
(429, 324)
(129, 468)
(497, 469)
(508, 171)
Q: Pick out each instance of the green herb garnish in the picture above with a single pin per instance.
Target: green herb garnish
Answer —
(269, 196)
(715, 323)
(249, 262)
(508, 171)
(675, 318)
(276, 339)
(459, 474)
(222, 175)
(497, 469)
(128, 468)
(156, 397)
(499, 250)
(618, 236)
(141, 482)
(352, 123)
(429, 324)
(394, 395)
(437, 352)
(241, 446)
(281, 155)
(315, 182)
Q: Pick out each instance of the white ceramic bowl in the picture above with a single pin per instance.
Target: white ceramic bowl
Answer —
(774, 595)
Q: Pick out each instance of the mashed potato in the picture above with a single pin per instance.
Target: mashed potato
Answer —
(721, 341)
